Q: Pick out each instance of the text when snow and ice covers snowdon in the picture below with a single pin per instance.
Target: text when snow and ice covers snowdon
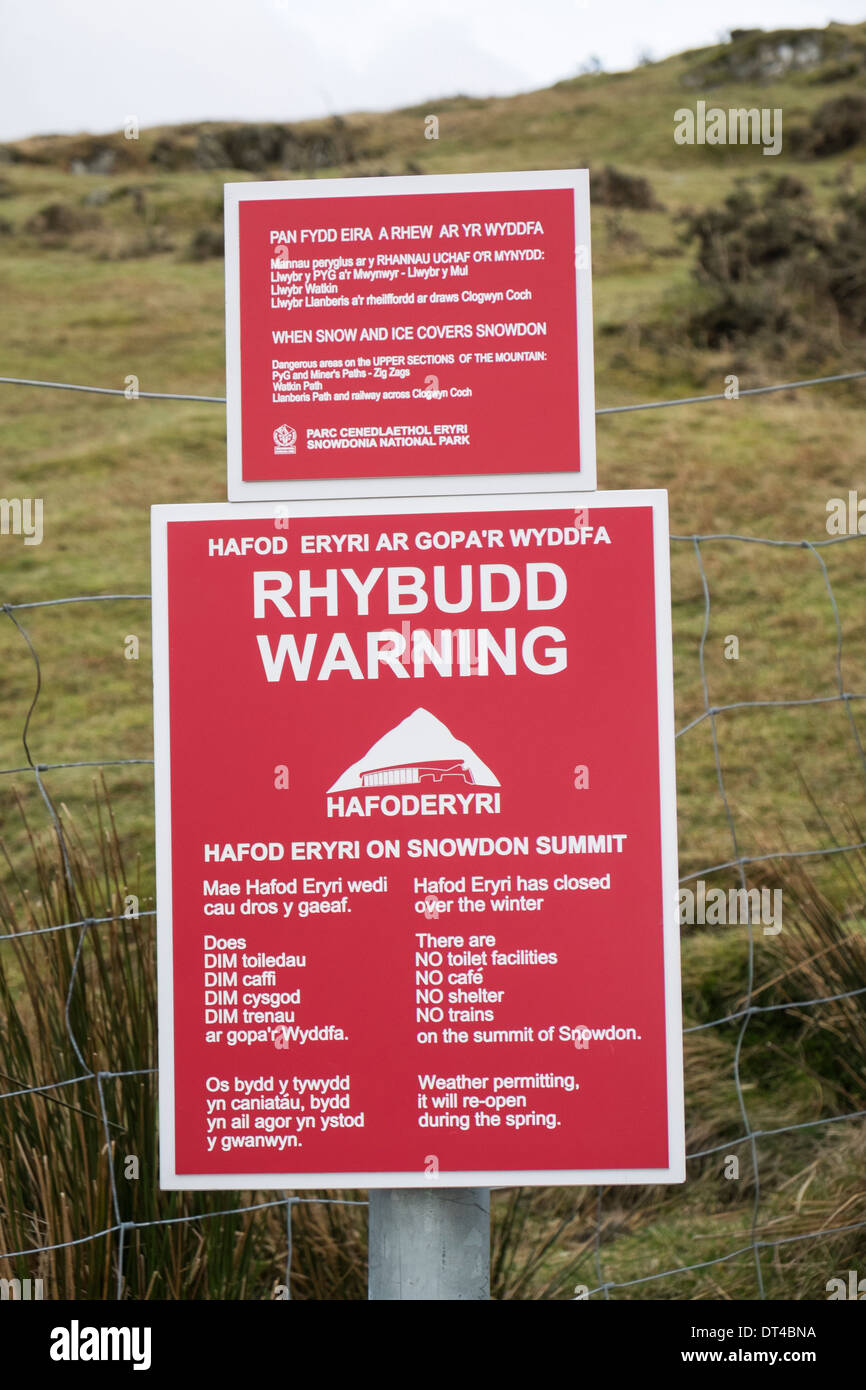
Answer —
(407, 589)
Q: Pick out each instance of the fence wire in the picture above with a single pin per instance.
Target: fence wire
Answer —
(742, 1017)
(134, 395)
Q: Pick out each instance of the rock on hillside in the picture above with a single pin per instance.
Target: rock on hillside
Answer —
(755, 56)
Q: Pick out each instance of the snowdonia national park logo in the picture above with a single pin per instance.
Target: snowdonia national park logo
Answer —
(285, 439)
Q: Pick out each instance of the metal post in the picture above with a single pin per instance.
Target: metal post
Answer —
(430, 1243)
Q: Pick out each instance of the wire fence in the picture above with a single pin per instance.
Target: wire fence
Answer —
(136, 394)
(738, 862)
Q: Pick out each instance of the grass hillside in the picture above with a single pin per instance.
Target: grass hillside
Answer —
(708, 262)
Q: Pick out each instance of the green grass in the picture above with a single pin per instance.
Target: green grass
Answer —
(121, 298)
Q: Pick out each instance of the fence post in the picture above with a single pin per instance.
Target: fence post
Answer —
(430, 1243)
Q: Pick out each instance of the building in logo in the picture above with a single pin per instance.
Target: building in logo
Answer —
(431, 772)
(420, 749)
(285, 439)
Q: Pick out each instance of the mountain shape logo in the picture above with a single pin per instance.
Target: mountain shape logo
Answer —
(419, 750)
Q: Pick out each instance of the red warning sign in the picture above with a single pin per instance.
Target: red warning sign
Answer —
(416, 843)
(420, 327)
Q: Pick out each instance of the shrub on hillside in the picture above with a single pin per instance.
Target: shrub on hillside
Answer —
(838, 125)
(747, 234)
(846, 260)
(206, 243)
(56, 222)
(773, 268)
(612, 188)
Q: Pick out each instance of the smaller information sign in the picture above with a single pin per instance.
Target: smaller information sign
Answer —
(423, 328)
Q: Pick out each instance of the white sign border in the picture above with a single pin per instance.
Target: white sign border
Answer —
(240, 490)
(170, 1179)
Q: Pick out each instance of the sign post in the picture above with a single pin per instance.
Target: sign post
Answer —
(429, 1243)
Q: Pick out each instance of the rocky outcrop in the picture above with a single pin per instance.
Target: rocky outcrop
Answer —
(302, 148)
(755, 56)
(258, 147)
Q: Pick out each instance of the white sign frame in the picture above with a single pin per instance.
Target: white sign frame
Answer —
(463, 485)
(170, 1179)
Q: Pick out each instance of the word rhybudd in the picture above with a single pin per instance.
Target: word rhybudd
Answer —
(458, 651)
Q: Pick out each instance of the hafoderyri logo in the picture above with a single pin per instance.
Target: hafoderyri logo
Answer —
(420, 752)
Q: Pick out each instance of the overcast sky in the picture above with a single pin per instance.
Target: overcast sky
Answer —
(72, 65)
